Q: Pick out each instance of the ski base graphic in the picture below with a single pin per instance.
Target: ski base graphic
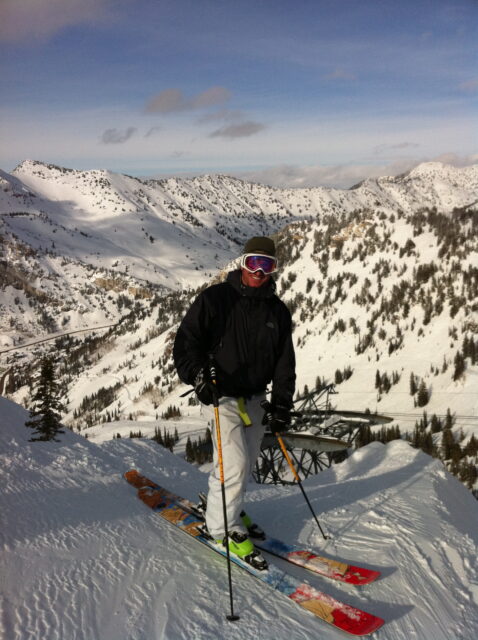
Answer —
(340, 615)
(334, 569)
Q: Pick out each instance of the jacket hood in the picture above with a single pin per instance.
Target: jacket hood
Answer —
(265, 291)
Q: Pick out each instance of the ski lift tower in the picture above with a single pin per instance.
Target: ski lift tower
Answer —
(319, 436)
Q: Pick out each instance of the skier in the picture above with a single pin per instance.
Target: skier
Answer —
(243, 326)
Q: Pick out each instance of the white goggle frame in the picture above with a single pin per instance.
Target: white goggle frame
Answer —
(247, 255)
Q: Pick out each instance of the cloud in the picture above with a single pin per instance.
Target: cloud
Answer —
(288, 176)
(39, 20)
(381, 148)
(457, 160)
(173, 100)
(152, 132)
(340, 74)
(470, 86)
(344, 176)
(168, 101)
(115, 136)
(211, 97)
(241, 130)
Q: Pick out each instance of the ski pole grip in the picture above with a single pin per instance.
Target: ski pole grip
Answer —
(213, 374)
(267, 406)
(212, 368)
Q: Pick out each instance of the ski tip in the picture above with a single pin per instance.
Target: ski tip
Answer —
(361, 576)
(364, 626)
(375, 624)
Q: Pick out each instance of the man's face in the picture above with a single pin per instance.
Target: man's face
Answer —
(256, 279)
(257, 268)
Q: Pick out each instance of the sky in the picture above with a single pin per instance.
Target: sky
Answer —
(288, 93)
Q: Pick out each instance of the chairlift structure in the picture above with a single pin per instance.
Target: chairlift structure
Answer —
(319, 436)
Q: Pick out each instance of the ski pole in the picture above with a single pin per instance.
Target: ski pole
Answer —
(267, 407)
(212, 369)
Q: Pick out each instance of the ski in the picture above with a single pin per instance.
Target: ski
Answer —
(175, 510)
(329, 567)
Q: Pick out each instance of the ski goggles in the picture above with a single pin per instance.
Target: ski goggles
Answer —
(253, 262)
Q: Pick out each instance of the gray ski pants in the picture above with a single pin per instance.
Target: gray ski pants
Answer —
(240, 449)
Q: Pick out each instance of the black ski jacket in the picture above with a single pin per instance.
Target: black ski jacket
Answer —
(249, 333)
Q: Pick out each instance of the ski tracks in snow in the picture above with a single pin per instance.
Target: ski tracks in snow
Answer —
(83, 559)
(428, 567)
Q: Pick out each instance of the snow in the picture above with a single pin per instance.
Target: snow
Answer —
(82, 558)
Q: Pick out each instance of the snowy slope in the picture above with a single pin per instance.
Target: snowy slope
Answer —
(83, 559)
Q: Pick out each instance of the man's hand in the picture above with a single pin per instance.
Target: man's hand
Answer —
(205, 388)
(278, 418)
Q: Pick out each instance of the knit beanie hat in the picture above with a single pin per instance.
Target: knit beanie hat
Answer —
(260, 245)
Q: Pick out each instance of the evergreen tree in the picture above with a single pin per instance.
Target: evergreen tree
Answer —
(468, 473)
(423, 395)
(364, 436)
(189, 450)
(157, 436)
(426, 444)
(436, 424)
(471, 447)
(447, 443)
(413, 385)
(449, 419)
(460, 366)
(348, 371)
(47, 405)
(385, 382)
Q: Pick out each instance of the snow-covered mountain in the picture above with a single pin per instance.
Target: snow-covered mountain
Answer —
(165, 231)
(382, 280)
(85, 238)
(83, 559)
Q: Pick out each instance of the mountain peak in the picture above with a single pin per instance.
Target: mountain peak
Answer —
(35, 166)
(27, 165)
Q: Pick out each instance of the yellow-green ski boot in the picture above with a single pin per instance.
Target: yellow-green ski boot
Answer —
(241, 546)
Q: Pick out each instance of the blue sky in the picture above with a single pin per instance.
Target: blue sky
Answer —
(293, 93)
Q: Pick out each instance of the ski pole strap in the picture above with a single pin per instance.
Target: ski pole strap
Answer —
(241, 407)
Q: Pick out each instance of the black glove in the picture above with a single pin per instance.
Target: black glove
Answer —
(205, 388)
(278, 418)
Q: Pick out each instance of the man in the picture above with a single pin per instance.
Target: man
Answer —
(243, 327)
